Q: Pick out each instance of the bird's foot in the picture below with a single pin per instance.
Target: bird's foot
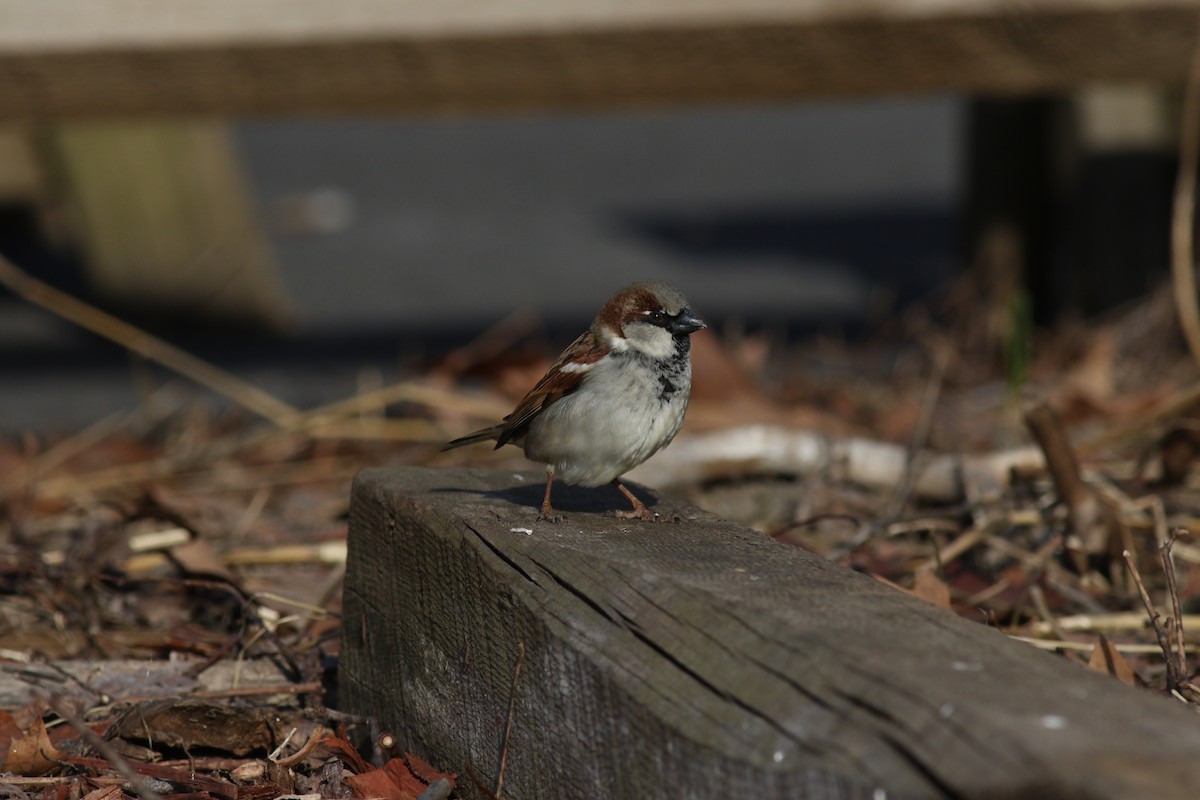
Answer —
(548, 514)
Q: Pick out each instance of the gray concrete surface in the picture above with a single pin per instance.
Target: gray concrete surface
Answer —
(398, 236)
(459, 220)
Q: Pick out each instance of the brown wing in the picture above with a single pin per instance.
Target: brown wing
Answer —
(554, 385)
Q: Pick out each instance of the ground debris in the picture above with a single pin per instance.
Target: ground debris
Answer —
(172, 578)
(190, 723)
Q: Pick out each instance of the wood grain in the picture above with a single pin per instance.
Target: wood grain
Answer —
(120, 57)
(703, 660)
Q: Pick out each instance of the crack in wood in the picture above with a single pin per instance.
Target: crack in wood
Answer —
(899, 745)
(500, 554)
(829, 747)
(573, 589)
(712, 688)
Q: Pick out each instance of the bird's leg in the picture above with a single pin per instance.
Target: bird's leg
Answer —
(640, 511)
(548, 513)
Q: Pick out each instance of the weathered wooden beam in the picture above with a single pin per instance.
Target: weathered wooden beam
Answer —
(704, 660)
(119, 57)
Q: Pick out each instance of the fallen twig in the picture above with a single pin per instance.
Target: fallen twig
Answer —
(332, 552)
(1089, 518)
(512, 708)
(144, 344)
(920, 435)
(1038, 595)
(1173, 592)
(1104, 623)
(301, 754)
(94, 740)
(1174, 677)
(406, 392)
(954, 550)
(1066, 644)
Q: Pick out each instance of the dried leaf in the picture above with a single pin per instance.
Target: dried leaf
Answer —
(9, 730)
(32, 753)
(105, 793)
(929, 587)
(400, 774)
(348, 754)
(377, 783)
(922, 588)
(26, 715)
(1105, 658)
(198, 558)
(399, 779)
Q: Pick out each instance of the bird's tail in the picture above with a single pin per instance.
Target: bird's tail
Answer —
(487, 434)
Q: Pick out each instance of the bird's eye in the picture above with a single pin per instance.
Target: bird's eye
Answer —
(656, 317)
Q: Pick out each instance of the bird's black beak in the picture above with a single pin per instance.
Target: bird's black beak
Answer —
(686, 323)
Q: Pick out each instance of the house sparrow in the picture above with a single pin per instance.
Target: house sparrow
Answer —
(614, 398)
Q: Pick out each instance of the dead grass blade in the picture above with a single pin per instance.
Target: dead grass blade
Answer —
(1183, 264)
(147, 346)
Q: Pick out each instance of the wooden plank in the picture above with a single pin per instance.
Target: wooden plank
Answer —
(165, 221)
(72, 57)
(20, 174)
(704, 660)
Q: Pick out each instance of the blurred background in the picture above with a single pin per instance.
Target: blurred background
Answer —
(248, 249)
(316, 198)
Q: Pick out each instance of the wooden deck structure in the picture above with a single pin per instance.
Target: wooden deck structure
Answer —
(67, 58)
(63, 61)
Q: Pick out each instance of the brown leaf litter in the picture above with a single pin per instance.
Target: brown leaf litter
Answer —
(171, 579)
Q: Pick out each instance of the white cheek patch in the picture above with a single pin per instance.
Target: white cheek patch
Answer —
(572, 366)
(650, 340)
(616, 344)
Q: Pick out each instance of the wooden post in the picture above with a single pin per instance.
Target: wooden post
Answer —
(165, 220)
(20, 173)
(703, 660)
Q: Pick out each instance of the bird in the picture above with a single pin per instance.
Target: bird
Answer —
(616, 396)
